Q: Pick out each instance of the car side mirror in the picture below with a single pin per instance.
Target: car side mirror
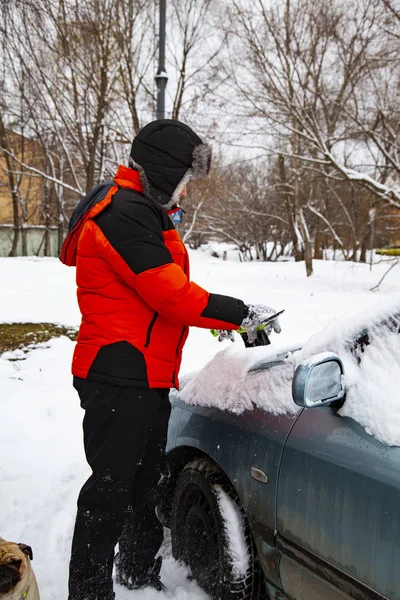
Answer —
(318, 381)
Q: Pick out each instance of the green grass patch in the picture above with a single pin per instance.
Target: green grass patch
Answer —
(390, 251)
(27, 336)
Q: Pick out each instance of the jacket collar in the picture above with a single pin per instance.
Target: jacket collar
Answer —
(128, 178)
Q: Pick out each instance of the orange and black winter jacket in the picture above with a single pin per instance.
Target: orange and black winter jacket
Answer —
(134, 293)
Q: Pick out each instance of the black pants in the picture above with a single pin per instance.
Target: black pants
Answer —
(125, 431)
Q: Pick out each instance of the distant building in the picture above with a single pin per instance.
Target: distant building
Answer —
(28, 186)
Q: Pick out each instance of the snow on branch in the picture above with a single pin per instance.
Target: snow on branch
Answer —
(188, 233)
(394, 262)
(383, 191)
(43, 174)
(325, 220)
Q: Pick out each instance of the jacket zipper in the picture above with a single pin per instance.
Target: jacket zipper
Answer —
(177, 352)
(186, 270)
(150, 329)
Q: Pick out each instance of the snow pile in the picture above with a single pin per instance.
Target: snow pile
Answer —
(227, 383)
(43, 465)
(234, 531)
(38, 290)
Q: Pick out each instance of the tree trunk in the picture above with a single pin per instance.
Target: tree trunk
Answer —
(308, 257)
(364, 248)
(297, 252)
(308, 254)
(319, 245)
(14, 246)
(46, 249)
(12, 184)
(24, 241)
(302, 226)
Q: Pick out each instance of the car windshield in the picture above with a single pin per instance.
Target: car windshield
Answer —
(357, 343)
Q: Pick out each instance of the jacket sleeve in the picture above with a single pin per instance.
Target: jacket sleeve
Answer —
(137, 252)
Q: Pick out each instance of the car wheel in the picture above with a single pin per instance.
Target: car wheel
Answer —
(210, 534)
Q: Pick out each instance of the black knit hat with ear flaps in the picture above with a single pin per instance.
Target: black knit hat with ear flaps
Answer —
(167, 155)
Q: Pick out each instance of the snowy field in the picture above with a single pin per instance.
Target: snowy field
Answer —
(42, 463)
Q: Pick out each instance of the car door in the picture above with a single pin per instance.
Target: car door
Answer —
(338, 509)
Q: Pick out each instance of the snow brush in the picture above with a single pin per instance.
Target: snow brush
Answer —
(262, 338)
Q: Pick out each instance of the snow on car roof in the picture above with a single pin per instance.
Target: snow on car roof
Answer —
(234, 380)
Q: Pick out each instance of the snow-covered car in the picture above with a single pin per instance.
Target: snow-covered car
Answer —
(285, 467)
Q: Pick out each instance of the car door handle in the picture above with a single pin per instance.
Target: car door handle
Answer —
(259, 475)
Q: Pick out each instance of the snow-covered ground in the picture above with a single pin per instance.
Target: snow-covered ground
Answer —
(42, 464)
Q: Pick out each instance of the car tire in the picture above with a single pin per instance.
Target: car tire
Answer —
(204, 507)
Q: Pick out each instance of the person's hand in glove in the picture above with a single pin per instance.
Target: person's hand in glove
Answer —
(225, 334)
(256, 315)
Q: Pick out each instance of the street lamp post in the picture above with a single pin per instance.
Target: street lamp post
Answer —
(161, 76)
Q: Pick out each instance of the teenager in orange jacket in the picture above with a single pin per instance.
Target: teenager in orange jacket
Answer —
(137, 303)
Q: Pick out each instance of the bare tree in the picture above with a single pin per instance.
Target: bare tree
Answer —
(134, 24)
(195, 41)
(75, 82)
(237, 205)
(301, 72)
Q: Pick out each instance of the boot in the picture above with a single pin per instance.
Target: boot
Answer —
(150, 578)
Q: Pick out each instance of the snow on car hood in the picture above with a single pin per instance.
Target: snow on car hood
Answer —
(231, 382)
(227, 382)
